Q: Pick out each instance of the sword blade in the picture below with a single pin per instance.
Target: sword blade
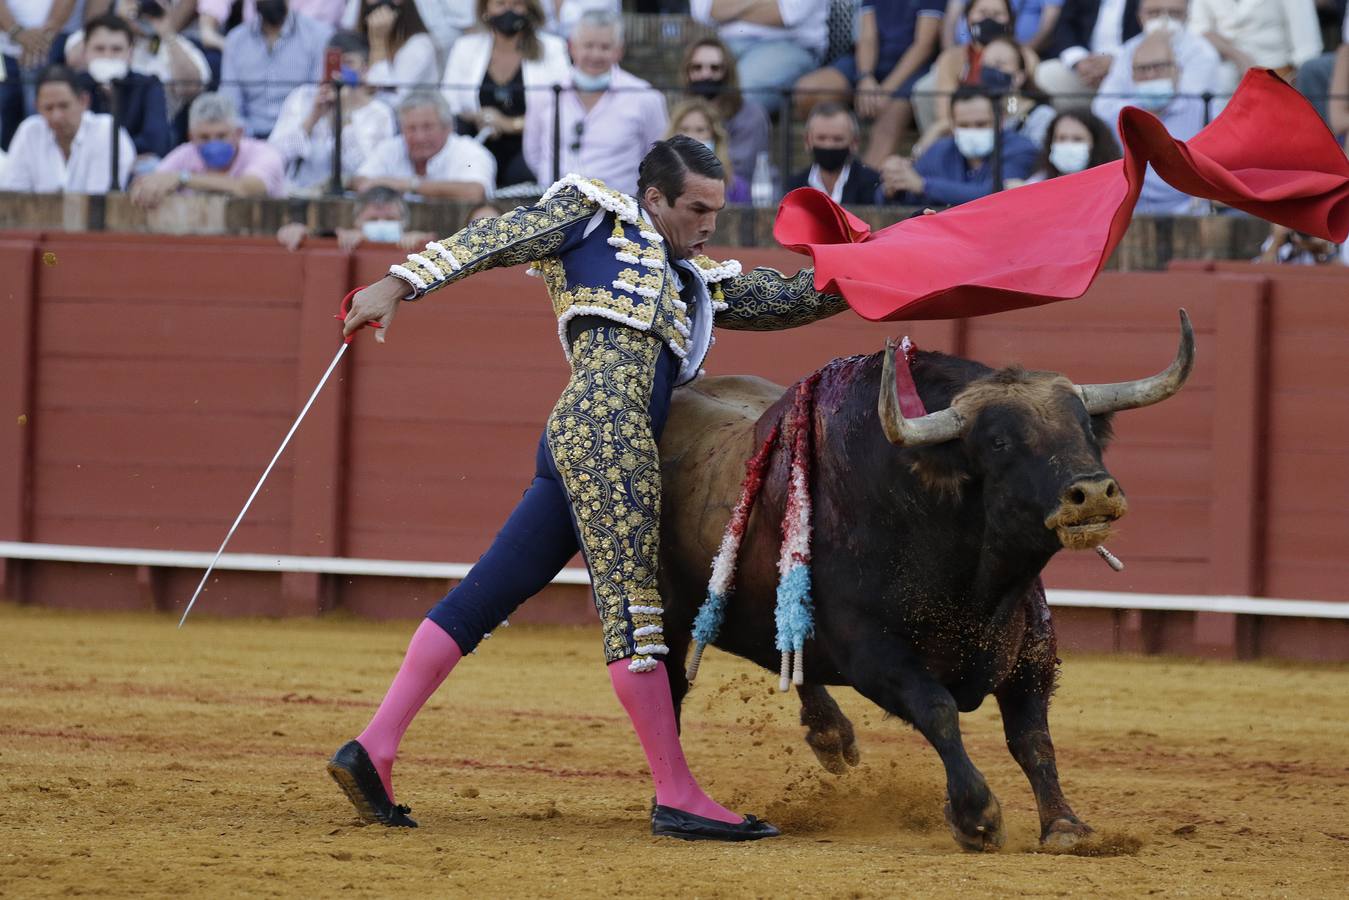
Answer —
(249, 502)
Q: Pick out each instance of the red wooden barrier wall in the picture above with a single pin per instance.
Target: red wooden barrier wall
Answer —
(156, 376)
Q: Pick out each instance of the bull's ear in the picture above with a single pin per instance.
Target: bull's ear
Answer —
(1103, 426)
(942, 470)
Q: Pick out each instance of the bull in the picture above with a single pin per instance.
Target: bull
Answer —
(930, 535)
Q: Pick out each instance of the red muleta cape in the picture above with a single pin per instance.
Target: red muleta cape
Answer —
(1267, 153)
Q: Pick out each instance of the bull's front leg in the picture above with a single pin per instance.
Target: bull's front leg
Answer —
(1024, 702)
(829, 733)
(886, 671)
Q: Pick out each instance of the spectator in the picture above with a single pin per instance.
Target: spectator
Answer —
(897, 42)
(831, 141)
(1338, 101)
(564, 14)
(987, 20)
(1003, 73)
(157, 49)
(215, 13)
(958, 168)
(1088, 36)
(1156, 74)
(1077, 141)
(482, 211)
(218, 158)
(774, 42)
(65, 147)
(141, 107)
(445, 21)
(27, 30)
(493, 75)
(709, 72)
(381, 217)
(304, 131)
(429, 158)
(1297, 248)
(1273, 34)
(402, 54)
(1315, 76)
(1035, 23)
(697, 119)
(609, 118)
(267, 58)
(1195, 57)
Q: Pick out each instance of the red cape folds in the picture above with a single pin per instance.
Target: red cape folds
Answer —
(1267, 153)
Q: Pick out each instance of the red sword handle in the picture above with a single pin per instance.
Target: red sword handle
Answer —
(346, 307)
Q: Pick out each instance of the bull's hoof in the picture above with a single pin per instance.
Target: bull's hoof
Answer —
(835, 750)
(983, 835)
(1061, 834)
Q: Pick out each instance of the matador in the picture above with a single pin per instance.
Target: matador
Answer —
(636, 301)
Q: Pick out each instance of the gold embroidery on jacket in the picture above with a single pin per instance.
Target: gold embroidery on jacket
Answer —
(764, 299)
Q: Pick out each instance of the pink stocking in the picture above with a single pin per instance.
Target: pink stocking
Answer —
(431, 655)
(646, 697)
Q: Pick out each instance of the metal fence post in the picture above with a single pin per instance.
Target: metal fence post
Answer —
(335, 181)
(557, 132)
(999, 100)
(785, 115)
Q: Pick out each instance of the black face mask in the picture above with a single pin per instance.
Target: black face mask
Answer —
(995, 80)
(986, 30)
(508, 23)
(831, 159)
(708, 88)
(272, 12)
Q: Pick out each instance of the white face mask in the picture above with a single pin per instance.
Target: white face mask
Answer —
(1155, 94)
(382, 231)
(104, 69)
(584, 81)
(974, 143)
(1163, 24)
(1069, 156)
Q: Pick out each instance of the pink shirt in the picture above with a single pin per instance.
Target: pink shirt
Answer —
(256, 158)
(328, 11)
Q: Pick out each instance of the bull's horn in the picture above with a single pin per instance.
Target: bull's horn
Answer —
(933, 428)
(1104, 398)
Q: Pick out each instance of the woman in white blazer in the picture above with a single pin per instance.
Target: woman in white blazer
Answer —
(493, 74)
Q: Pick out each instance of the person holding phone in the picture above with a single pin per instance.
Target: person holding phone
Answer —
(304, 134)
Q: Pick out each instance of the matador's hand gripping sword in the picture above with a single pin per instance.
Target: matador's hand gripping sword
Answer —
(346, 304)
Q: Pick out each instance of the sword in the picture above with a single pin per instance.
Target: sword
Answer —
(346, 302)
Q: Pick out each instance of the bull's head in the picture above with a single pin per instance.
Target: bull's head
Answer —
(1031, 437)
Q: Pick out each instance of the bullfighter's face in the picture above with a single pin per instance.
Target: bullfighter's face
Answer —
(688, 223)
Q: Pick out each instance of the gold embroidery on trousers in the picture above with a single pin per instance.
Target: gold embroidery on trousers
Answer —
(601, 439)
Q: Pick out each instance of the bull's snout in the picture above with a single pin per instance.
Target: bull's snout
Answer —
(1087, 509)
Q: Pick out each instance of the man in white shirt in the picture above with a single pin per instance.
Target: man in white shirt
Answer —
(609, 117)
(1272, 34)
(304, 130)
(1195, 57)
(429, 158)
(1155, 76)
(65, 148)
(27, 30)
(775, 42)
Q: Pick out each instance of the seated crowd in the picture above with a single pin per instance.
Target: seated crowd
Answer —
(474, 99)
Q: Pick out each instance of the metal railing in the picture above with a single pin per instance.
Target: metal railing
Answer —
(783, 153)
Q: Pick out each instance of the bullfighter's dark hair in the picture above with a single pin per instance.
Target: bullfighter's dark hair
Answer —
(668, 162)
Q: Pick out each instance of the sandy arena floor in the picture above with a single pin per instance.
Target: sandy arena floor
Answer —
(139, 760)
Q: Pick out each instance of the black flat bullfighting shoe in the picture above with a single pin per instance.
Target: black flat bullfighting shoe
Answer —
(355, 774)
(667, 821)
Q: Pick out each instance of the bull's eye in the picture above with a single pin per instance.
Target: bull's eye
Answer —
(999, 444)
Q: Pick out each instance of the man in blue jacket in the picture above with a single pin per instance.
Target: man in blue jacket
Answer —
(141, 107)
(959, 168)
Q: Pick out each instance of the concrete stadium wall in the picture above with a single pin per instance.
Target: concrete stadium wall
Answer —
(145, 381)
